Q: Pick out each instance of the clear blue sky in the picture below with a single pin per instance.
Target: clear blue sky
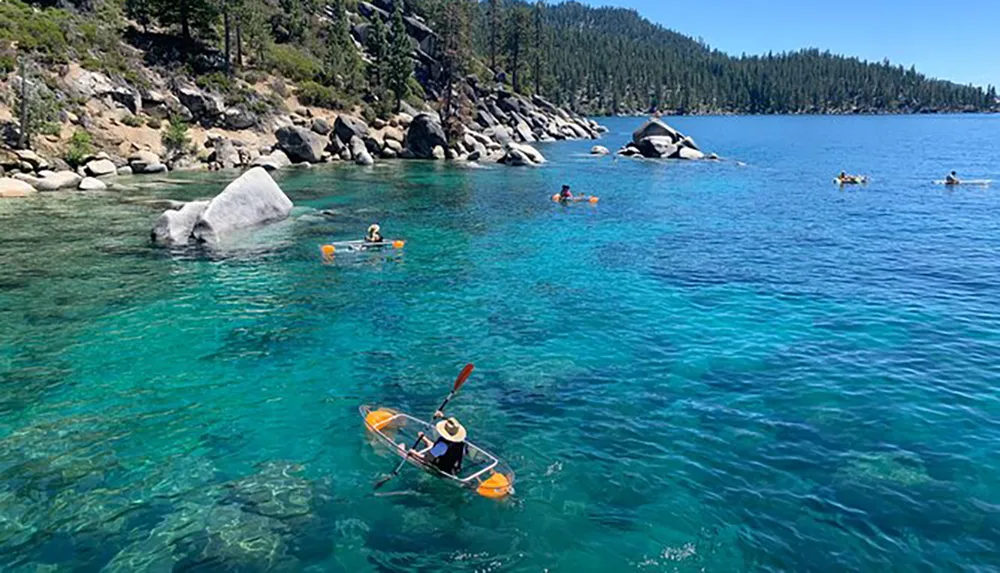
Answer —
(955, 40)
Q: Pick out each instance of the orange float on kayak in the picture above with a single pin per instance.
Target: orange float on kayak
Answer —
(495, 487)
(328, 251)
(398, 244)
(592, 199)
(379, 419)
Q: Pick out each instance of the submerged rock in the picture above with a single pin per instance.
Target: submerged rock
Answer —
(599, 150)
(251, 200)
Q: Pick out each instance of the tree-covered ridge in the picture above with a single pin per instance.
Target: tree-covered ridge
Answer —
(611, 60)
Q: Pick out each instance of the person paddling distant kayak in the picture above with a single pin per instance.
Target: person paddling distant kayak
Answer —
(374, 234)
(845, 179)
(952, 179)
(447, 453)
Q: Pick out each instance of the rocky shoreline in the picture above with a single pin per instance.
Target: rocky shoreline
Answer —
(501, 129)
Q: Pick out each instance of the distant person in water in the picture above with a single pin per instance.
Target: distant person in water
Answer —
(952, 179)
(565, 195)
(374, 234)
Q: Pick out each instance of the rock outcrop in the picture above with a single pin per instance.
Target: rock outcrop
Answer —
(251, 200)
(300, 144)
(347, 127)
(599, 150)
(205, 108)
(425, 133)
(657, 140)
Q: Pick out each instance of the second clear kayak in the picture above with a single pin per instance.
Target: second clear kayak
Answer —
(965, 182)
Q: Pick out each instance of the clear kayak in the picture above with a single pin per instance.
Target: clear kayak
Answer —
(481, 471)
(330, 249)
(965, 182)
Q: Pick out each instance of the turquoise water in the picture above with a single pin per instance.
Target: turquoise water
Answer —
(719, 367)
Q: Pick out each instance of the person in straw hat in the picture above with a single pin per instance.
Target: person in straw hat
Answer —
(374, 234)
(447, 452)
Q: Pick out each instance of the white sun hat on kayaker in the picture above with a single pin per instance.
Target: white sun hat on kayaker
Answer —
(451, 430)
(374, 228)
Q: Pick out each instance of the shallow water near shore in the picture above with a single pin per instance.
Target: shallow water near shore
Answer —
(719, 367)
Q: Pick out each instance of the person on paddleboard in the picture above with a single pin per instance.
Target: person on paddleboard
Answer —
(951, 179)
(447, 453)
(374, 234)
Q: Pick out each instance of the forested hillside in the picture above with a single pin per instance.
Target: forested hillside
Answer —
(610, 60)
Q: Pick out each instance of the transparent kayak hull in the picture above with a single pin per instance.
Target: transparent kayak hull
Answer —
(481, 472)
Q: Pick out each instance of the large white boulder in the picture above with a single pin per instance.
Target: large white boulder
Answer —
(251, 200)
(174, 226)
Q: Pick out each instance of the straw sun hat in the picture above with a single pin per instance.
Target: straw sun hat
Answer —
(451, 430)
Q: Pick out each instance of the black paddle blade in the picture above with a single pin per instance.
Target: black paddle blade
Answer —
(383, 481)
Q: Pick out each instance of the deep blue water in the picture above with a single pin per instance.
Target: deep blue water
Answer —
(719, 367)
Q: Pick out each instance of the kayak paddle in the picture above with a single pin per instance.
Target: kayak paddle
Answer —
(462, 377)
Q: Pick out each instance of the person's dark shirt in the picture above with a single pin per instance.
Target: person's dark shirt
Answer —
(446, 456)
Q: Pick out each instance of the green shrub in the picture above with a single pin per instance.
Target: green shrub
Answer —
(132, 120)
(216, 81)
(175, 139)
(312, 93)
(80, 146)
(294, 63)
(154, 123)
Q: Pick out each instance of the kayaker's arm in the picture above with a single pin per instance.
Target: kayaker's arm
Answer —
(426, 440)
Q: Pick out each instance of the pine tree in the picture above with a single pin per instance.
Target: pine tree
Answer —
(538, 47)
(343, 64)
(400, 64)
(453, 23)
(493, 30)
(378, 69)
(516, 42)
